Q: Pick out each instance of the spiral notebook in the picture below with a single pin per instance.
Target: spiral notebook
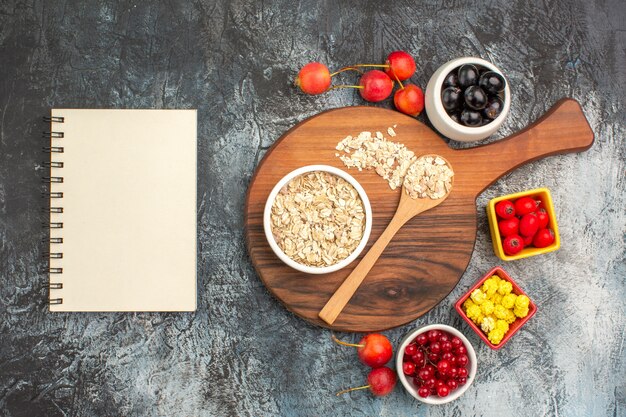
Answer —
(122, 210)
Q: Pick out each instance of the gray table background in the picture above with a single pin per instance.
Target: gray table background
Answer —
(241, 353)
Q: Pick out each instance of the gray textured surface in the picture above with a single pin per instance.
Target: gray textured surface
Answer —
(242, 353)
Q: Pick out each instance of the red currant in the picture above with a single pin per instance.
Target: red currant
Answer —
(433, 335)
(443, 391)
(433, 357)
(418, 356)
(439, 383)
(462, 372)
(411, 349)
(421, 339)
(435, 347)
(461, 350)
(445, 337)
(430, 382)
(453, 372)
(443, 366)
(423, 392)
(447, 356)
(424, 373)
(452, 384)
(408, 368)
(456, 342)
(446, 346)
(461, 380)
(462, 360)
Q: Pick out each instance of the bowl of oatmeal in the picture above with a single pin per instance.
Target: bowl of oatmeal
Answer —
(317, 219)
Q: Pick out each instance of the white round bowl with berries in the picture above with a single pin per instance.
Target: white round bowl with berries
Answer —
(436, 364)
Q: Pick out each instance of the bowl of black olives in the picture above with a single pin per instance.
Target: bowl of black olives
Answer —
(467, 99)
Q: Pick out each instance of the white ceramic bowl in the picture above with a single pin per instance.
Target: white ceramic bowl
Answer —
(433, 399)
(440, 119)
(268, 226)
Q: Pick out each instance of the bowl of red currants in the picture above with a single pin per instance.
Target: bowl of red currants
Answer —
(436, 364)
(467, 99)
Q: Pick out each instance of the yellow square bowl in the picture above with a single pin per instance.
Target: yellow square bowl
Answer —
(542, 194)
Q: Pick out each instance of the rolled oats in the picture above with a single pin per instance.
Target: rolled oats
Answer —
(429, 177)
(318, 219)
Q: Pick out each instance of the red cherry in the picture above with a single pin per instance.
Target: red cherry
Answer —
(374, 349)
(505, 209)
(376, 85)
(462, 372)
(410, 350)
(443, 391)
(401, 64)
(381, 381)
(409, 100)
(408, 368)
(423, 392)
(313, 78)
(462, 360)
(525, 205)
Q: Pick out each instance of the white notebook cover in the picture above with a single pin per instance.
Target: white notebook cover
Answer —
(129, 210)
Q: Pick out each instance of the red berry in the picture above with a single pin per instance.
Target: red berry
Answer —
(529, 224)
(433, 335)
(456, 342)
(528, 240)
(418, 356)
(433, 357)
(513, 244)
(461, 380)
(439, 383)
(381, 381)
(443, 366)
(423, 392)
(435, 347)
(543, 238)
(462, 360)
(410, 349)
(525, 205)
(544, 219)
(313, 78)
(447, 356)
(376, 85)
(461, 350)
(462, 372)
(408, 368)
(424, 373)
(445, 337)
(452, 384)
(505, 209)
(508, 227)
(453, 373)
(376, 350)
(409, 100)
(401, 64)
(429, 383)
(443, 391)
(421, 339)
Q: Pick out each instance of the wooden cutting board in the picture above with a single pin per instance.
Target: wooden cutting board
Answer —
(428, 256)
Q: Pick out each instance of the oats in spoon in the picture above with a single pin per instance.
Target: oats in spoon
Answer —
(428, 176)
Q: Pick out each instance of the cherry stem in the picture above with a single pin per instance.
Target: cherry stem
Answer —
(334, 87)
(346, 69)
(397, 79)
(372, 65)
(344, 343)
(351, 389)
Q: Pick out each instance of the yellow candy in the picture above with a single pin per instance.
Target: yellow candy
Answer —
(510, 316)
(505, 287)
(488, 324)
(508, 301)
(500, 312)
(496, 279)
(502, 325)
(522, 302)
(495, 336)
(473, 312)
(478, 296)
(520, 312)
(487, 307)
(468, 303)
(496, 299)
(490, 287)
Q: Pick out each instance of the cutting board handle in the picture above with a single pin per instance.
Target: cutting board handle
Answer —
(562, 129)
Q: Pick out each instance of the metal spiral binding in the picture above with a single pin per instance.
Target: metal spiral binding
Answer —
(53, 209)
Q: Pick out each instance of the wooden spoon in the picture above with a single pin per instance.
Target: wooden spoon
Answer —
(407, 209)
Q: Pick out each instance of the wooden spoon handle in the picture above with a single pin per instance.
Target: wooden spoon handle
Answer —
(346, 290)
(562, 129)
